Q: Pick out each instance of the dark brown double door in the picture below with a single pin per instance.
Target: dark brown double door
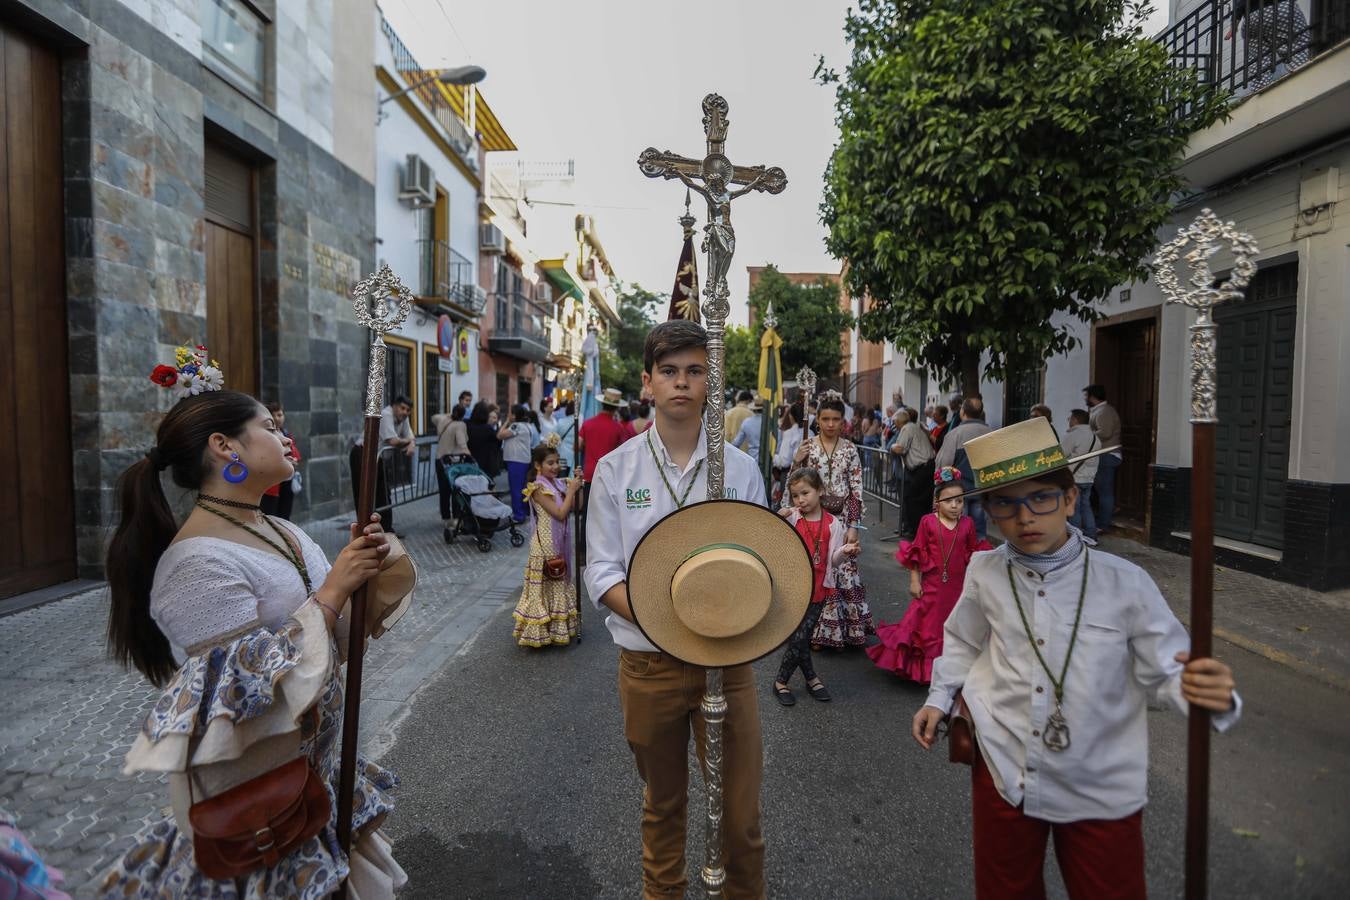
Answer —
(36, 491)
(1125, 362)
(1255, 387)
(232, 328)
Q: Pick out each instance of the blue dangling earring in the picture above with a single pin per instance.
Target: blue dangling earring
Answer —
(235, 471)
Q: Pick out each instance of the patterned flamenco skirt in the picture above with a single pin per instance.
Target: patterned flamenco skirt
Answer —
(845, 620)
(547, 611)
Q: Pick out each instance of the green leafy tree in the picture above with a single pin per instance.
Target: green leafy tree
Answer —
(621, 349)
(742, 369)
(809, 322)
(1001, 162)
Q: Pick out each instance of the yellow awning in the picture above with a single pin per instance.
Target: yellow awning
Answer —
(485, 120)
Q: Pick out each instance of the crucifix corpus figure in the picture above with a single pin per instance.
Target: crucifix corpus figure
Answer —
(697, 582)
(712, 177)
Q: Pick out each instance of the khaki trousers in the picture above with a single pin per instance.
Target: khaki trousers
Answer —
(660, 697)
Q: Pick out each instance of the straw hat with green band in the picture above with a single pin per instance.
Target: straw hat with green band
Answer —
(1019, 452)
(719, 583)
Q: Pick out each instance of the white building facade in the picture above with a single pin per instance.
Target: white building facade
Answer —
(1280, 169)
(431, 146)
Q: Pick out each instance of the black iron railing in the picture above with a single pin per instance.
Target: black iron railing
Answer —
(429, 92)
(519, 316)
(447, 275)
(1242, 46)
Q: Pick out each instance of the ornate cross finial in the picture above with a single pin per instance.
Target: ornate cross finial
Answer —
(382, 303)
(1209, 235)
(770, 320)
(806, 379)
(687, 220)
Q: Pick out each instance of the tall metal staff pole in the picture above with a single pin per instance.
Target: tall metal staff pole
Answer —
(1209, 235)
(806, 380)
(711, 177)
(381, 303)
(571, 382)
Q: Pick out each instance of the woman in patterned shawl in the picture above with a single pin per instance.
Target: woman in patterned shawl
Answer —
(846, 620)
(233, 615)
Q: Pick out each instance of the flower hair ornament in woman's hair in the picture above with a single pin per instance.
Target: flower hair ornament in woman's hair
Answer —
(552, 439)
(947, 475)
(190, 374)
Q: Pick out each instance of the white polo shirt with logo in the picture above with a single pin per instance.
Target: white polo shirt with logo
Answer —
(628, 497)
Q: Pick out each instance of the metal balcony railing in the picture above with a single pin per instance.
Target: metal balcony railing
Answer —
(430, 94)
(519, 316)
(447, 275)
(1242, 46)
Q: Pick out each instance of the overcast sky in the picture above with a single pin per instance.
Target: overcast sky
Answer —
(600, 80)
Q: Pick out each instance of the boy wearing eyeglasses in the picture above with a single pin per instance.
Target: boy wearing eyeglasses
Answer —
(1058, 648)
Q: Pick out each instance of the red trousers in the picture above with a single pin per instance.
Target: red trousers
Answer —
(1099, 859)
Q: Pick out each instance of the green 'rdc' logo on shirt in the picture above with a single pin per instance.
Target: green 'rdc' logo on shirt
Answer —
(638, 498)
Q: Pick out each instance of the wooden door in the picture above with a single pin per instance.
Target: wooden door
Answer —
(232, 325)
(1137, 380)
(1125, 362)
(36, 489)
(1255, 388)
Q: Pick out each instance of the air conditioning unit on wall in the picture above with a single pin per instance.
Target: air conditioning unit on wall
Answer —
(418, 186)
(491, 239)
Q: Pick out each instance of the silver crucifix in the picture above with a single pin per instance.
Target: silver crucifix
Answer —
(712, 177)
(1209, 235)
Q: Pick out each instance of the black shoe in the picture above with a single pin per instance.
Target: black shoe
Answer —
(819, 692)
(783, 695)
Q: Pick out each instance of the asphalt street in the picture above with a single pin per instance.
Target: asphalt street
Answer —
(517, 783)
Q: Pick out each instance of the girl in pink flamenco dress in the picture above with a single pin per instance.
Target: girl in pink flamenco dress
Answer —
(937, 559)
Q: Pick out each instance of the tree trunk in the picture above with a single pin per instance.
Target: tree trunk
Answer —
(970, 372)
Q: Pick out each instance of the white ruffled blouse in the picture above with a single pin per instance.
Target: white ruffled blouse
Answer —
(207, 589)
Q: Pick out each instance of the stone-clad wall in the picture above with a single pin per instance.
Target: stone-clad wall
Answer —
(138, 105)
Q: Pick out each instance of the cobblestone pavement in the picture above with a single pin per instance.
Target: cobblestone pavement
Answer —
(69, 714)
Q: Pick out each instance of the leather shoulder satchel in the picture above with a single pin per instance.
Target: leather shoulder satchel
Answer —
(255, 824)
(960, 732)
(555, 566)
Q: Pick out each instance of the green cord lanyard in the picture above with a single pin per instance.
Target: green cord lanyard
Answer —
(291, 555)
(1056, 732)
(661, 469)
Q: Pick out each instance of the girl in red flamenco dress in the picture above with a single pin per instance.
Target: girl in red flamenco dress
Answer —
(937, 559)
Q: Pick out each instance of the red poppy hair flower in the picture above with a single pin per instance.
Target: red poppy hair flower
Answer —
(164, 376)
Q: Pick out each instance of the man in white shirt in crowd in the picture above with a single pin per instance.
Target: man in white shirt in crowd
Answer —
(737, 415)
(1058, 650)
(1078, 440)
(951, 453)
(1105, 423)
(747, 437)
(634, 486)
(396, 428)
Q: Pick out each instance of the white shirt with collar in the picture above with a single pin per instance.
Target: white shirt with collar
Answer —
(1123, 659)
(628, 497)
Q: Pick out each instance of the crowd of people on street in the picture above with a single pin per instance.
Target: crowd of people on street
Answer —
(1045, 649)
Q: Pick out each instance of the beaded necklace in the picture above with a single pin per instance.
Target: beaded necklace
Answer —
(293, 556)
(1056, 733)
(680, 500)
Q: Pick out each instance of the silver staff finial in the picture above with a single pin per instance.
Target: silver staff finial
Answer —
(382, 303)
(806, 379)
(770, 320)
(1209, 235)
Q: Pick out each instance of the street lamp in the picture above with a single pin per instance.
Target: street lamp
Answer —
(458, 75)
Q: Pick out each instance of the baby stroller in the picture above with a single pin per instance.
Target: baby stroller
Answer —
(477, 510)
